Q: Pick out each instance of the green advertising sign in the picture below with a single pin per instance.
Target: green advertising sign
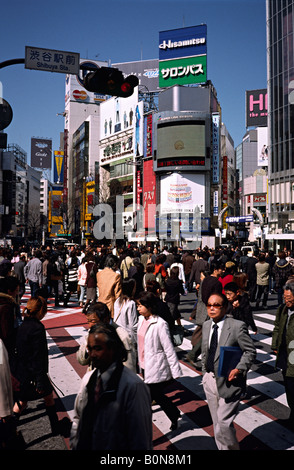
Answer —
(183, 71)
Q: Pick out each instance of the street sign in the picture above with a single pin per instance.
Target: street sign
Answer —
(6, 114)
(50, 60)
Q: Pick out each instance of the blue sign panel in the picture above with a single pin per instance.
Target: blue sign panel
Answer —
(183, 42)
(246, 218)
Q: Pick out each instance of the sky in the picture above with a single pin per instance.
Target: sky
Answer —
(125, 31)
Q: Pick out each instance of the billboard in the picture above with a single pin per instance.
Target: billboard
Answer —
(262, 146)
(41, 153)
(256, 108)
(182, 193)
(147, 72)
(186, 71)
(182, 56)
(121, 118)
(183, 42)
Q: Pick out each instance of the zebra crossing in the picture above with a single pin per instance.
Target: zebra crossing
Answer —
(261, 414)
(259, 423)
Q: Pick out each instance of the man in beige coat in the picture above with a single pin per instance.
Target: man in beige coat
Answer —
(109, 283)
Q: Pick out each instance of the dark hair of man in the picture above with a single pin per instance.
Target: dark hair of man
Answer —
(225, 301)
(113, 341)
(289, 286)
(232, 287)
(38, 254)
(101, 310)
(214, 265)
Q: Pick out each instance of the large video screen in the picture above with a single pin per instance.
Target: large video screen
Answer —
(181, 139)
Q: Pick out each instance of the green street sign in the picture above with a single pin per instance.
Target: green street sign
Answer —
(183, 71)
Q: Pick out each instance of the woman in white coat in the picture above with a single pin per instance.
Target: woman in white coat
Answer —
(157, 358)
(125, 310)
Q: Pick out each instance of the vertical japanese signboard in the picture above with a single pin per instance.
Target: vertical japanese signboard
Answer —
(215, 148)
(225, 178)
(149, 195)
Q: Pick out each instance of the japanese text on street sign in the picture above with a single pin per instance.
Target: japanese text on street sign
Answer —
(52, 60)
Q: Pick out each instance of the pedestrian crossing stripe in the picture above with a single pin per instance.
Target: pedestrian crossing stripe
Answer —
(254, 426)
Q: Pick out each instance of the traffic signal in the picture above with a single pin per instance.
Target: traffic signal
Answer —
(110, 81)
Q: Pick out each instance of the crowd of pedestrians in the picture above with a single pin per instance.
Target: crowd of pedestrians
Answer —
(130, 298)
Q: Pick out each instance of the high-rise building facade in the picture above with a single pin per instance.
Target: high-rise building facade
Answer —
(280, 58)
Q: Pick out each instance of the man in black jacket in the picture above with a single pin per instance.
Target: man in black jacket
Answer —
(199, 265)
(252, 275)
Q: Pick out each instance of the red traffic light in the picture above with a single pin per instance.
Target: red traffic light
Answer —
(110, 81)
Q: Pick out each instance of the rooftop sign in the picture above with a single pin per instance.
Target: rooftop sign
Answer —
(182, 56)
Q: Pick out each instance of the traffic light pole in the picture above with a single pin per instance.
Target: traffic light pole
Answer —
(6, 63)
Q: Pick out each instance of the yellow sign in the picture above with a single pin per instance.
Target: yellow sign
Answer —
(59, 156)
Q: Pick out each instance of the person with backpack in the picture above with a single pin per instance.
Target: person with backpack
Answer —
(126, 263)
(160, 271)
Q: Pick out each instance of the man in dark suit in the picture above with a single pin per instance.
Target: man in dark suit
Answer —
(224, 393)
(251, 272)
(199, 265)
(18, 269)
